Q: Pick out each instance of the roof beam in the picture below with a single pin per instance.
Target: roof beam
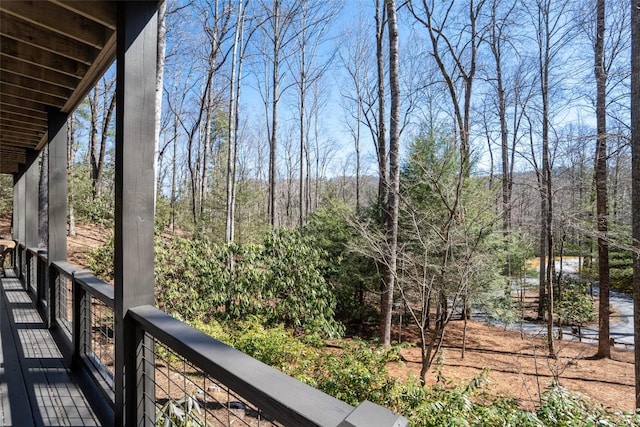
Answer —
(102, 12)
(18, 119)
(44, 58)
(34, 85)
(29, 33)
(18, 141)
(57, 19)
(13, 101)
(37, 72)
(24, 129)
(30, 95)
(33, 116)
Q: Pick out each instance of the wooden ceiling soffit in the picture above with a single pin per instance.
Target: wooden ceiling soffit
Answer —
(8, 167)
(19, 120)
(34, 85)
(27, 126)
(19, 141)
(44, 58)
(32, 131)
(30, 95)
(18, 155)
(59, 20)
(101, 12)
(35, 116)
(20, 136)
(25, 104)
(29, 33)
(37, 72)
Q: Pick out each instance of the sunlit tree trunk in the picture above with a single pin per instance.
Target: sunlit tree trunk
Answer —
(71, 157)
(162, 45)
(393, 188)
(604, 348)
(635, 144)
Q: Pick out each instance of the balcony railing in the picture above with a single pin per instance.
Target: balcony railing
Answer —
(182, 374)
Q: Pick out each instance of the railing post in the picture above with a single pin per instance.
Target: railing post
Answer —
(368, 414)
(28, 277)
(52, 285)
(43, 295)
(140, 353)
(81, 317)
(136, 54)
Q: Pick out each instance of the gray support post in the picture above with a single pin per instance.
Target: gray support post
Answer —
(31, 209)
(32, 177)
(28, 210)
(57, 214)
(136, 52)
(16, 220)
(57, 193)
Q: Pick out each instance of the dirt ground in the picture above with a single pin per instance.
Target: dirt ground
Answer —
(518, 364)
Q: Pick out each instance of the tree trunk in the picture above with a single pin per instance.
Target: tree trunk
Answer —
(381, 143)
(635, 144)
(542, 288)
(71, 158)
(604, 348)
(232, 133)
(162, 45)
(43, 200)
(393, 189)
(110, 104)
(303, 95)
(273, 142)
(93, 140)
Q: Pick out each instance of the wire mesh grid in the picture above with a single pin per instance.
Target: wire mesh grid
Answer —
(33, 273)
(98, 347)
(186, 395)
(63, 296)
(23, 262)
(43, 278)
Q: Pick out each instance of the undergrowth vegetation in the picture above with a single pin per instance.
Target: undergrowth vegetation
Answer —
(280, 298)
(356, 370)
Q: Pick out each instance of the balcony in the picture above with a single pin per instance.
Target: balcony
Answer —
(78, 351)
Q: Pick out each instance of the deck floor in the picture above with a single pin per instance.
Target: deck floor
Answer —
(36, 388)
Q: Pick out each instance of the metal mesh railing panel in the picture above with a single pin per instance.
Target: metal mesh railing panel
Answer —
(64, 303)
(97, 339)
(187, 395)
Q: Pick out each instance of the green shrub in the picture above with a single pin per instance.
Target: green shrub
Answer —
(357, 372)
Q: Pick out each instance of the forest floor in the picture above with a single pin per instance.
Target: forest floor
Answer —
(518, 363)
(519, 367)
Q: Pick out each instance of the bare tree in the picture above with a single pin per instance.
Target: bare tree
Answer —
(235, 84)
(456, 56)
(71, 158)
(635, 143)
(162, 47)
(307, 68)
(43, 199)
(604, 348)
(102, 102)
(393, 181)
(278, 31)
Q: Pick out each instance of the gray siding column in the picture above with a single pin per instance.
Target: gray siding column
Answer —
(31, 179)
(18, 196)
(134, 204)
(57, 214)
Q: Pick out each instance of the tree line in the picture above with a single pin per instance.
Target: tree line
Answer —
(463, 137)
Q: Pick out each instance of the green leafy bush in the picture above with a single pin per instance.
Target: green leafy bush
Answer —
(279, 282)
(357, 372)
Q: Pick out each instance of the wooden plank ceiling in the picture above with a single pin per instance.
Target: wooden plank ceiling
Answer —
(51, 54)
